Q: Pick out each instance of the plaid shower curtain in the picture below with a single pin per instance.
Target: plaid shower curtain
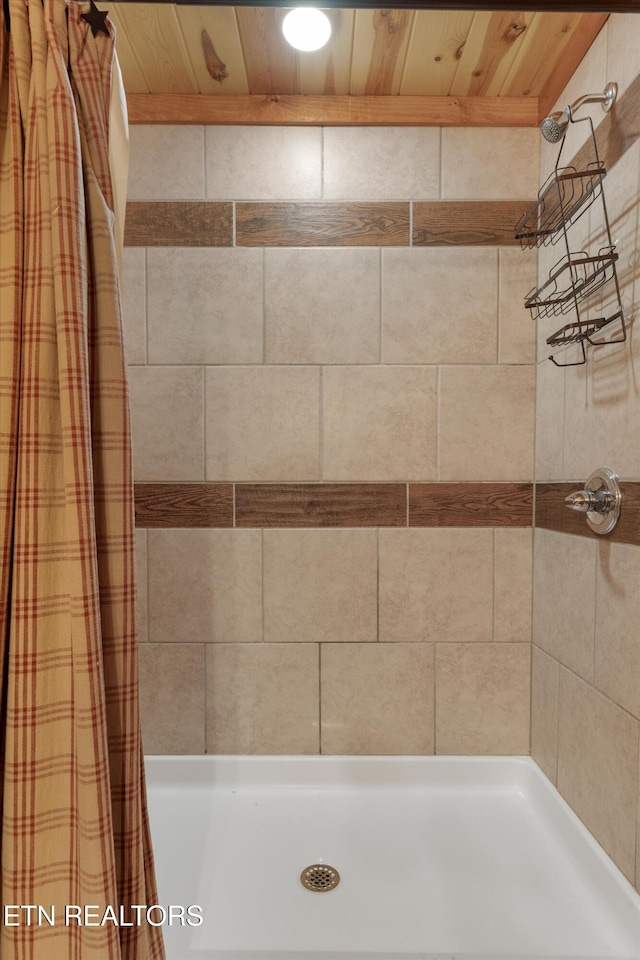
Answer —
(74, 831)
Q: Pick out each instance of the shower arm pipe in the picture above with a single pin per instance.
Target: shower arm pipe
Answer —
(554, 127)
(591, 98)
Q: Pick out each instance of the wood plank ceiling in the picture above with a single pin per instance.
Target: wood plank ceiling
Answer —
(239, 52)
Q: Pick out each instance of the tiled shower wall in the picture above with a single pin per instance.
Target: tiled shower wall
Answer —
(586, 623)
(354, 365)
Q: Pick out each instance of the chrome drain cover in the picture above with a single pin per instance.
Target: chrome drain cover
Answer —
(320, 877)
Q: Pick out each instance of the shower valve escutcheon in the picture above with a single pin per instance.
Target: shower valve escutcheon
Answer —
(600, 500)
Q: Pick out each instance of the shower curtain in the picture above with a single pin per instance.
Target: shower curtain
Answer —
(75, 849)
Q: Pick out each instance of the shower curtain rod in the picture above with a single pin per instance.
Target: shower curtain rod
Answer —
(545, 6)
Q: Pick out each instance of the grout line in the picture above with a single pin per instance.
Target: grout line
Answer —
(262, 581)
(146, 307)
(147, 603)
(406, 507)
(204, 697)
(378, 584)
(264, 306)
(204, 164)
(233, 503)
(321, 422)
(322, 163)
(204, 422)
(234, 223)
(320, 699)
(562, 426)
(498, 312)
(438, 417)
(411, 223)
(380, 296)
(435, 695)
(531, 615)
(596, 558)
(441, 185)
(493, 611)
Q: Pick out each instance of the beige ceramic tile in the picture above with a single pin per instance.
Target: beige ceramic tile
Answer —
(436, 585)
(486, 423)
(601, 424)
(564, 598)
(205, 586)
(141, 585)
(379, 423)
(512, 585)
(262, 698)
(638, 840)
(167, 422)
(549, 421)
(263, 163)
(598, 767)
(617, 656)
(622, 204)
(134, 310)
(623, 210)
(205, 305)
(377, 699)
(263, 423)
(322, 306)
(638, 835)
(439, 305)
(320, 585)
(166, 162)
(544, 712)
(473, 163)
(381, 163)
(172, 697)
(623, 43)
(482, 698)
(517, 342)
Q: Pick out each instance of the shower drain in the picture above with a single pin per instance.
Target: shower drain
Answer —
(319, 877)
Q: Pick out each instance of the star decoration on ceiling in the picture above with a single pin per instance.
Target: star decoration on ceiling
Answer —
(96, 19)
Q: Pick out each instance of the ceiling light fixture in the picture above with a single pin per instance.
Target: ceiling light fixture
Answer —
(306, 28)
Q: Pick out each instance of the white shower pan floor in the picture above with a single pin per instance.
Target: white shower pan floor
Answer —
(439, 857)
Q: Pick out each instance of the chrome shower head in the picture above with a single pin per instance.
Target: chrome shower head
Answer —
(555, 125)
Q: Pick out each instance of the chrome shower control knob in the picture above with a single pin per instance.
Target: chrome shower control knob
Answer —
(582, 500)
(600, 500)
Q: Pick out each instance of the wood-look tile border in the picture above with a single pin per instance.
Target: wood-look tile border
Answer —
(333, 504)
(552, 514)
(184, 504)
(172, 223)
(470, 504)
(466, 222)
(206, 223)
(321, 504)
(359, 224)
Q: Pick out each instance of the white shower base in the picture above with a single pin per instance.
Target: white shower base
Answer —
(439, 857)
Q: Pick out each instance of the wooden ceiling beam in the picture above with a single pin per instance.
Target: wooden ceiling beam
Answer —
(548, 6)
(334, 111)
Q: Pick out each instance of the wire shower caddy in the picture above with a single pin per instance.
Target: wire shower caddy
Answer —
(578, 274)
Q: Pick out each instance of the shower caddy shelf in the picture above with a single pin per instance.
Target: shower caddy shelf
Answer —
(578, 274)
(565, 196)
(574, 276)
